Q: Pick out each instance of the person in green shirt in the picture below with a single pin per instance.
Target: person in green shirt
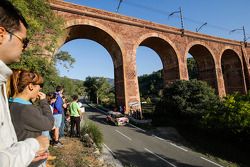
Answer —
(75, 120)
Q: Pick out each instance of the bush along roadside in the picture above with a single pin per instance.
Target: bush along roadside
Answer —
(91, 135)
(185, 102)
(194, 108)
(83, 152)
(232, 118)
(195, 104)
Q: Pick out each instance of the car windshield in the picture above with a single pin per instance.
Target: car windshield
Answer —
(118, 116)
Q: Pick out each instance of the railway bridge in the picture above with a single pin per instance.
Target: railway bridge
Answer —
(222, 63)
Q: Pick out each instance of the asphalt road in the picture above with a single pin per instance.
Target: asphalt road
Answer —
(135, 147)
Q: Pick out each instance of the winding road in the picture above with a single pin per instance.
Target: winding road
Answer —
(136, 147)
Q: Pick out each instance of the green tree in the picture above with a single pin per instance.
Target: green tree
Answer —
(90, 88)
(45, 26)
(71, 86)
(192, 68)
(232, 117)
(151, 85)
(189, 100)
(64, 58)
(44, 29)
(98, 89)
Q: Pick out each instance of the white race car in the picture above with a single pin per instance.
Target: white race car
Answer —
(117, 118)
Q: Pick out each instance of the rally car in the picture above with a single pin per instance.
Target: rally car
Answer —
(117, 118)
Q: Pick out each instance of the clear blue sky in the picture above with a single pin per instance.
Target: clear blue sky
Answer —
(221, 15)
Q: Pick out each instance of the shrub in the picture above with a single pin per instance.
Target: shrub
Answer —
(148, 100)
(94, 132)
(186, 99)
(232, 117)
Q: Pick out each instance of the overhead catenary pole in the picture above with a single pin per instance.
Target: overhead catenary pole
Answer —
(198, 29)
(117, 9)
(181, 18)
(182, 23)
(244, 34)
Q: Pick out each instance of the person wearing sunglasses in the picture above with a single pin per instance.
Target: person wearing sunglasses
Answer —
(13, 29)
(24, 41)
(29, 120)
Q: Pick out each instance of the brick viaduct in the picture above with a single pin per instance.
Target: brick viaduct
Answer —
(222, 63)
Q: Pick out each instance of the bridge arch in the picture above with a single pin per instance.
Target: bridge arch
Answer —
(232, 70)
(166, 51)
(92, 30)
(87, 29)
(206, 62)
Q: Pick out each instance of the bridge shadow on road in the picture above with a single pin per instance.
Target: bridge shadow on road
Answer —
(132, 157)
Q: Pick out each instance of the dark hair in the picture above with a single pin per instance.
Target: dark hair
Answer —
(22, 78)
(10, 16)
(50, 96)
(59, 88)
(74, 97)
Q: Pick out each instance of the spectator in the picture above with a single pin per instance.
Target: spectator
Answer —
(13, 41)
(57, 113)
(62, 126)
(75, 114)
(120, 109)
(29, 120)
(51, 98)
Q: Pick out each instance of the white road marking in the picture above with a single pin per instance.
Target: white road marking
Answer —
(211, 162)
(151, 151)
(109, 149)
(160, 157)
(178, 147)
(137, 127)
(158, 137)
(123, 135)
(170, 143)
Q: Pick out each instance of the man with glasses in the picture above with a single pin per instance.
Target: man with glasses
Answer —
(25, 41)
(13, 41)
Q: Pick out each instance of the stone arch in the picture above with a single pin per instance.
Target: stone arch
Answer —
(205, 60)
(88, 29)
(167, 53)
(96, 26)
(232, 70)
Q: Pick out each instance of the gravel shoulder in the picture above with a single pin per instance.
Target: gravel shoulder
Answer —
(75, 154)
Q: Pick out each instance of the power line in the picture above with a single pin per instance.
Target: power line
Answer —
(147, 8)
(186, 19)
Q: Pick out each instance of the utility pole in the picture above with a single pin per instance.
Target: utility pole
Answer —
(181, 17)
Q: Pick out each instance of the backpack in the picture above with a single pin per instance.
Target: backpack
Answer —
(55, 111)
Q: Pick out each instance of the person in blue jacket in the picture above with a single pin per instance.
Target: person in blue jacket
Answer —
(57, 113)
